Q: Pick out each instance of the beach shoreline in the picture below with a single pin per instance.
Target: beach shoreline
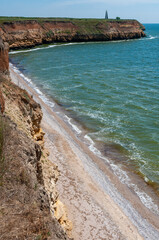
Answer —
(95, 214)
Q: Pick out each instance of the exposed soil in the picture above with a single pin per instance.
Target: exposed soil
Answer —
(29, 33)
(24, 205)
(25, 181)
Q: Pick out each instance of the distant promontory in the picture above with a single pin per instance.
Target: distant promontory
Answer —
(29, 32)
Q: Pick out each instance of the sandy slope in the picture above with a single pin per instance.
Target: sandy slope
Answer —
(96, 214)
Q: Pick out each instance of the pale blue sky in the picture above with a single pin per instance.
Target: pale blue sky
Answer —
(146, 11)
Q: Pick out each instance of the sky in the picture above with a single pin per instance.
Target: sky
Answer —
(145, 11)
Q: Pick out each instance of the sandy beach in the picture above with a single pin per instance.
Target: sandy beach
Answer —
(99, 205)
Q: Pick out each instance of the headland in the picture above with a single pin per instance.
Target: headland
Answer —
(29, 32)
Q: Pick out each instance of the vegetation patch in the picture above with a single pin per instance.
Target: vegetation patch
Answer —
(49, 34)
(2, 159)
(67, 32)
(73, 20)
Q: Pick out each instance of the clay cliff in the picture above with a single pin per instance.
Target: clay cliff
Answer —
(4, 59)
(29, 33)
(4, 68)
(29, 203)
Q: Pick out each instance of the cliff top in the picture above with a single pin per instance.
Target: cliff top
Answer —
(78, 25)
(21, 32)
(75, 20)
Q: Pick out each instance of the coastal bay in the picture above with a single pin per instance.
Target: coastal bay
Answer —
(88, 201)
(94, 135)
(108, 97)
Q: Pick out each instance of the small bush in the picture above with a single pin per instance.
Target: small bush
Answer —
(49, 34)
(2, 160)
(23, 178)
(1, 135)
(68, 32)
(39, 237)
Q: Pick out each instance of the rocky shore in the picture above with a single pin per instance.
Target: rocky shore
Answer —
(29, 33)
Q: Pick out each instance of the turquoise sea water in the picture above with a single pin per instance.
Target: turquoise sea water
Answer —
(110, 88)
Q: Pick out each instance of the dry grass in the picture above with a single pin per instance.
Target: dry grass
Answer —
(24, 205)
(2, 159)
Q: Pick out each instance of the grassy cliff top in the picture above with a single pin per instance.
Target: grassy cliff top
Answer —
(74, 20)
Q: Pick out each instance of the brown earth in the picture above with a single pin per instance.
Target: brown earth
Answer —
(4, 59)
(22, 109)
(28, 196)
(2, 103)
(24, 204)
(29, 33)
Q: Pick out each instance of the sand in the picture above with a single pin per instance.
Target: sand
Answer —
(98, 204)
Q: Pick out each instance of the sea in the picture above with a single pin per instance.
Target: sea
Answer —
(107, 92)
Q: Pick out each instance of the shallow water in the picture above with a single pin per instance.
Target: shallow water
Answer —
(111, 88)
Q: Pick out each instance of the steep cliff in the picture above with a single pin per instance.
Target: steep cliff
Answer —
(29, 204)
(29, 33)
(24, 203)
(4, 59)
(21, 108)
(27, 177)
(4, 68)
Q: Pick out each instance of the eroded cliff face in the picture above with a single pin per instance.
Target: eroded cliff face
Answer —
(24, 203)
(28, 202)
(29, 33)
(4, 59)
(21, 108)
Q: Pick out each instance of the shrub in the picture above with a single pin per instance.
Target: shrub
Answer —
(2, 162)
(49, 34)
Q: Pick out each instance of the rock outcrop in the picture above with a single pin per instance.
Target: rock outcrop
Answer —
(29, 33)
(21, 108)
(4, 68)
(4, 59)
(50, 176)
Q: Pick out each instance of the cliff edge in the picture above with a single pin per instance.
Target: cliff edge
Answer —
(25, 33)
(4, 59)
(29, 204)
